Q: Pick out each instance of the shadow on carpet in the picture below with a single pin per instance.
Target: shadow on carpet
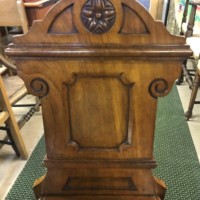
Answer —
(174, 152)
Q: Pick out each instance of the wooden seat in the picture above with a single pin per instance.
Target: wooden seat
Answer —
(9, 124)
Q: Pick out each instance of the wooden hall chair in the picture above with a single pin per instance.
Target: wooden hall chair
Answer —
(191, 30)
(14, 14)
(16, 90)
(193, 39)
(9, 124)
(195, 88)
(98, 66)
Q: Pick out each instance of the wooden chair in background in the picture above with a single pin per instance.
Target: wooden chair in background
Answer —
(16, 90)
(195, 89)
(192, 32)
(9, 124)
(12, 14)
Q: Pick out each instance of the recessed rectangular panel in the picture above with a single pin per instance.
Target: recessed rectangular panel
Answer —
(99, 111)
(100, 183)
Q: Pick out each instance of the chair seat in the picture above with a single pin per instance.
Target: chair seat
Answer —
(194, 43)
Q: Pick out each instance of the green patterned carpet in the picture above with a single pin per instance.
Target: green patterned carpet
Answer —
(177, 161)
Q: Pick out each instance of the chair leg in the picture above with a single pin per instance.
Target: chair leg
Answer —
(195, 87)
(180, 78)
(10, 121)
(187, 75)
(9, 140)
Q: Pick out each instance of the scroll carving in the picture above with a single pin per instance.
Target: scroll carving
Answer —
(39, 87)
(98, 16)
(158, 88)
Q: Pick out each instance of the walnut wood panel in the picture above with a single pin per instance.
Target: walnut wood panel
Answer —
(99, 67)
(134, 72)
(117, 181)
(99, 96)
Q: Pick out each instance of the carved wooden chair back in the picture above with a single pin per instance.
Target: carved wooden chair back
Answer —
(98, 67)
(13, 13)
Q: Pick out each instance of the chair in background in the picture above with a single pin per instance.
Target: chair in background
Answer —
(195, 89)
(193, 39)
(13, 14)
(9, 124)
(16, 90)
(190, 28)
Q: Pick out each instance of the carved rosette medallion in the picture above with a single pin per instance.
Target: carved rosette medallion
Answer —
(98, 16)
(158, 88)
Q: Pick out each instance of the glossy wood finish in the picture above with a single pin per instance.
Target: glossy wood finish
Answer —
(99, 67)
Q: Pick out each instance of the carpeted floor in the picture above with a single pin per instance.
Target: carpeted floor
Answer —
(174, 151)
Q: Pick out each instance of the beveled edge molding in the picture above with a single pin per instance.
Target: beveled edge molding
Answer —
(71, 51)
(158, 88)
(144, 163)
(128, 138)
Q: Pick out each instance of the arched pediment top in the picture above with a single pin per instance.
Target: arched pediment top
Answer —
(98, 22)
